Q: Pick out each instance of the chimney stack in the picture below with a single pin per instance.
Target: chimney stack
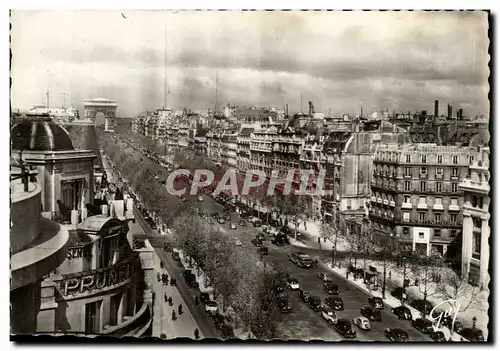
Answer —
(450, 111)
(436, 108)
(286, 110)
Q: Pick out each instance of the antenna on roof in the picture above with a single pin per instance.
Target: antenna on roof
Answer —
(165, 62)
(216, 90)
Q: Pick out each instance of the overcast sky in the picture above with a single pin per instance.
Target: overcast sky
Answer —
(339, 60)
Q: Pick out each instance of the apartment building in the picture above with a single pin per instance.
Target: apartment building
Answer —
(261, 150)
(416, 199)
(476, 229)
(243, 148)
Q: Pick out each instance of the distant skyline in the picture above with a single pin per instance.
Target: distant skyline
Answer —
(343, 61)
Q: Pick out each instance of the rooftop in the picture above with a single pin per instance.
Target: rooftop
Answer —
(40, 134)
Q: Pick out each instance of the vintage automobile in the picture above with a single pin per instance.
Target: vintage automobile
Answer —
(362, 322)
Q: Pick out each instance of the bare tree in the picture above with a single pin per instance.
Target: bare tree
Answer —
(427, 271)
(386, 256)
(189, 235)
(454, 287)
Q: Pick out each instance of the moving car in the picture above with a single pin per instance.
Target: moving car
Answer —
(423, 325)
(176, 256)
(329, 315)
(371, 313)
(242, 223)
(331, 289)
(292, 283)
(256, 242)
(204, 297)
(237, 242)
(256, 222)
(335, 302)
(221, 220)
(438, 336)
(402, 312)
(280, 240)
(304, 294)
(472, 334)
(260, 236)
(227, 217)
(263, 250)
(314, 303)
(211, 307)
(271, 231)
(344, 328)
(200, 198)
(324, 277)
(301, 259)
(284, 305)
(232, 226)
(396, 334)
(376, 302)
(362, 322)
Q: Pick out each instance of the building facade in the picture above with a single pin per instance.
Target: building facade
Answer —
(416, 199)
(476, 229)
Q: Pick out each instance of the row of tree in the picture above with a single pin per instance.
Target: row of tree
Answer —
(248, 287)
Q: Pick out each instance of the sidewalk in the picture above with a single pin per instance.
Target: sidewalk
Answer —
(309, 238)
(396, 280)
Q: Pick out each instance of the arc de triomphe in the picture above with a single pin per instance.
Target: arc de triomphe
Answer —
(107, 107)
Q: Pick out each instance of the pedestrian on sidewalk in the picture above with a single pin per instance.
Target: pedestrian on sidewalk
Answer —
(166, 297)
(170, 303)
(390, 275)
(180, 309)
(305, 226)
(196, 334)
(158, 277)
(174, 317)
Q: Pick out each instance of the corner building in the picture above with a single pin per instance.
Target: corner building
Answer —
(416, 198)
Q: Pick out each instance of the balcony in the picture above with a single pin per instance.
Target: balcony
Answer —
(453, 208)
(422, 206)
(406, 205)
(454, 177)
(470, 185)
(406, 175)
(379, 200)
(386, 202)
(423, 175)
(374, 199)
(392, 204)
(438, 207)
(439, 175)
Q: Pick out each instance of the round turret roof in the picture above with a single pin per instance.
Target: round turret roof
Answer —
(40, 135)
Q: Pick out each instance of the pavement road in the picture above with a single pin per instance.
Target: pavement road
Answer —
(303, 323)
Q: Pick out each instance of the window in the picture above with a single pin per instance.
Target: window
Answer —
(407, 199)
(407, 185)
(92, 317)
(437, 233)
(455, 160)
(408, 158)
(407, 171)
(440, 159)
(454, 201)
(439, 171)
(454, 172)
(453, 233)
(454, 187)
(438, 201)
(476, 245)
(349, 204)
(421, 216)
(424, 158)
(422, 186)
(406, 216)
(423, 171)
(420, 235)
(437, 217)
(406, 230)
(453, 218)
(439, 187)
(471, 159)
(422, 200)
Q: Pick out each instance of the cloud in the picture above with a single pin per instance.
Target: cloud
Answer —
(339, 60)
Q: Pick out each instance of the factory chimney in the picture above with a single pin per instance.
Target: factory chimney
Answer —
(311, 108)
(450, 111)
(436, 108)
(286, 110)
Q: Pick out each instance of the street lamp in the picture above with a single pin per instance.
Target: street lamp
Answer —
(333, 256)
(404, 279)
(474, 320)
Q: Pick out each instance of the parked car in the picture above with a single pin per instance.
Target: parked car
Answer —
(324, 277)
(331, 289)
(280, 240)
(362, 322)
(211, 307)
(402, 312)
(256, 242)
(271, 231)
(292, 283)
(371, 313)
(329, 315)
(242, 223)
(448, 322)
(256, 223)
(263, 250)
(396, 334)
(314, 303)
(376, 302)
(221, 220)
(200, 198)
(472, 335)
(260, 236)
(344, 328)
(176, 256)
(237, 242)
(398, 292)
(191, 282)
(232, 226)
(423, 325)
(304, 294)
(204, 297)
(335, 302)
(438, 336)
(419, 305)
(226, 331)
(227, 217)
(281, 292)
(284, 305)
